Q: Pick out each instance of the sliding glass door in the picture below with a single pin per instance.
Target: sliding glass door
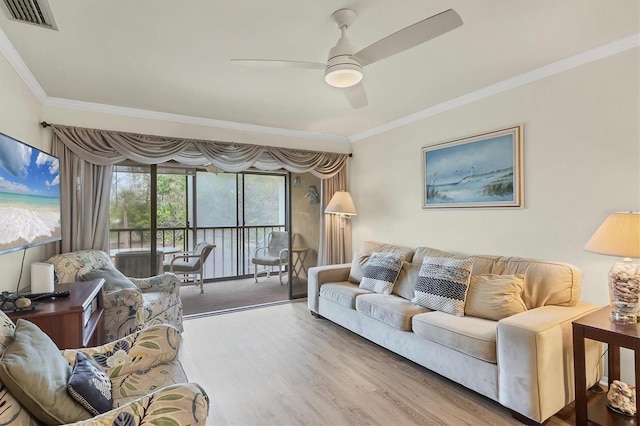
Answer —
(234, 211)
(147, 201)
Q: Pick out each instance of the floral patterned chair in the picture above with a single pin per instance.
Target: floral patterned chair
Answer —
(148, 384)
(131, 304)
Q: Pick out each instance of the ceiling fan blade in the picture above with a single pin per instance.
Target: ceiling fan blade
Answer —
(280, 63)
(356, 96)
(409, 37)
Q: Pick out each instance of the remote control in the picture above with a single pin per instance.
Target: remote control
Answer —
(38, 296)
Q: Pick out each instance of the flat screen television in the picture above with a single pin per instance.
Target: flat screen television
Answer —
(29, 196)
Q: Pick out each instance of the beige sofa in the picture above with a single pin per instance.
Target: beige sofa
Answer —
(524, 361)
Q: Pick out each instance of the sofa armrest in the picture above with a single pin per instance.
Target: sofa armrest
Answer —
(182, 404)
(123, 313)
(535, 360)
(138, 351)
(319, 275)
(123, 297)
(164, 282)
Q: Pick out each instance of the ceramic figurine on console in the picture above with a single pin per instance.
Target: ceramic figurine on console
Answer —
(13, 301)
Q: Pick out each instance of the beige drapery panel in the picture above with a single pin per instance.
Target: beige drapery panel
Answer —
(330, 241)
(84, 189)
(88, 155)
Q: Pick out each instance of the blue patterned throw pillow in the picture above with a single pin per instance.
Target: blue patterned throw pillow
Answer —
(90, 386)
(381, 272)
(443, 283)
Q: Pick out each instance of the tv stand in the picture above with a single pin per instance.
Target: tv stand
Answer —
(73, 321)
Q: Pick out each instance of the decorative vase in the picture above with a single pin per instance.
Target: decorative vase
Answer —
(624, 291)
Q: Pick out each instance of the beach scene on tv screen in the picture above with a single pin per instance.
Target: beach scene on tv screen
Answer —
(29, 195)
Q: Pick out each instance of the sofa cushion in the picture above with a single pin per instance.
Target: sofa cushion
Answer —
(362, 257)
(146, 382)
(36, 374)
(343, 293)
(422, 252)
(114, 280)
(90, 386)
(406, 282)
(545, 282)
(381, 272)
(357, 267)
(391, 310)
(472, 336)
(401, 251)
(442, 284)
(495, 296)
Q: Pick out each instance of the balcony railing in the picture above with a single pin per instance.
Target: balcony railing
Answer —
(235, 246)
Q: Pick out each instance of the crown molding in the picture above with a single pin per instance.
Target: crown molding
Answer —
(186, 119)
(15, 60)
(609, 49)
(568, 63)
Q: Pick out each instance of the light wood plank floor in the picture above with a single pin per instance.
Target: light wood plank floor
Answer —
(279, 366)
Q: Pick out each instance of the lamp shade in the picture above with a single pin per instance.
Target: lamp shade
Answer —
(342, 204)
(619, 235)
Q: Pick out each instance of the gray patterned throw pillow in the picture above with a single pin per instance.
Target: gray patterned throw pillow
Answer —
(381, 272)
(443, 283)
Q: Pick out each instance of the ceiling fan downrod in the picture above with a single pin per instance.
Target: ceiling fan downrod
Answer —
(342, 70)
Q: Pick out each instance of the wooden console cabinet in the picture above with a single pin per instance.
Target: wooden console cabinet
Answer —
(75, 321)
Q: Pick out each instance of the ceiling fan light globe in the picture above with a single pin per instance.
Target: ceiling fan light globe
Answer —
(343, 76)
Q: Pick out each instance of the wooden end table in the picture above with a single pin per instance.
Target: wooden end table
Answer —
(76, 321)
(597, 326)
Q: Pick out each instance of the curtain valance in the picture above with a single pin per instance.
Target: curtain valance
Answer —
(106, 147)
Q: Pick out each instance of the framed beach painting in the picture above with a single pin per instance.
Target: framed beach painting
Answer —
(484, 170)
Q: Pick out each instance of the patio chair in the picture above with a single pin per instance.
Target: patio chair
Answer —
(276, 253)
(190, 263)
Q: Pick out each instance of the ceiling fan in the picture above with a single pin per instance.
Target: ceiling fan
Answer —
(344, 68)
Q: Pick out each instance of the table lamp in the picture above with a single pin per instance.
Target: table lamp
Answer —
(341, 204)
(619, 235)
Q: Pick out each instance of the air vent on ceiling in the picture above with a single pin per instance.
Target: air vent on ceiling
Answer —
(36, 12)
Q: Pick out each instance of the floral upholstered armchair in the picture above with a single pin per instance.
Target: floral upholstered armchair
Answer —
(147, 383)
(131, 304)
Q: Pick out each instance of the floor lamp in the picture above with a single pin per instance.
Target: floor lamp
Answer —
(341, 204)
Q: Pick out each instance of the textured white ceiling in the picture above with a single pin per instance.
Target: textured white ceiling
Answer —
(174, 56)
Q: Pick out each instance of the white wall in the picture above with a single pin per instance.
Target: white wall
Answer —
(19, 117)
(581, 161)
